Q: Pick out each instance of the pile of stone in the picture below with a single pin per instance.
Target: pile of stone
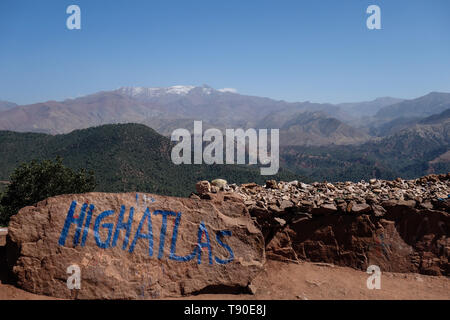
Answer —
(343, 197)
(400, 225)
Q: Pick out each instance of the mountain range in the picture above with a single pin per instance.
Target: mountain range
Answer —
(387, 137)
(422, 149)
(165, 109)
(161, 108)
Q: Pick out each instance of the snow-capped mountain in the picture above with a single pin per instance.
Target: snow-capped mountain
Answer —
(143, 92)
(163, 108)
(155, 92)
(167, 108)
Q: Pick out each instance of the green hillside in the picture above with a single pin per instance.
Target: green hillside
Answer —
(124, 157)
(134, 157)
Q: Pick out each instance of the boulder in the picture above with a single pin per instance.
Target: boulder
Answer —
(132, 246)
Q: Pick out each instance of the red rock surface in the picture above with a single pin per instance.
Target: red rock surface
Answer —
(40, 257)
(400, 226)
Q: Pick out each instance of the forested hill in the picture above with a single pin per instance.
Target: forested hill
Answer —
(124, 157)
(417, 151)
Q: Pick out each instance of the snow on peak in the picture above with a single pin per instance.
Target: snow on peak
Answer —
(179, 89)
(229, 90)
(173, 90)
(154, 92)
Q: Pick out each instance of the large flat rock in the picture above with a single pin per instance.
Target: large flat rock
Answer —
(131, 246)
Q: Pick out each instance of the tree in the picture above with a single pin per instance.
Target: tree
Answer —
(35, 181)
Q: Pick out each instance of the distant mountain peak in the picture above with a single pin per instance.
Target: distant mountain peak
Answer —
(228, 90)
(388, 99)
(438, 93)
(155, 92)
(425, 106)
(180, 90)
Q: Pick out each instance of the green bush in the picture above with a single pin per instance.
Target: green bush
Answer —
(35, 181)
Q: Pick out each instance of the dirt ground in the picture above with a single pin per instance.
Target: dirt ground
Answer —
(310, 281)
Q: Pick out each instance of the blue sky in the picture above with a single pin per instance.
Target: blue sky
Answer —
(316, 50)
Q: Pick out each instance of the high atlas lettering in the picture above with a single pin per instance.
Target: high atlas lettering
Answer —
(141, 234)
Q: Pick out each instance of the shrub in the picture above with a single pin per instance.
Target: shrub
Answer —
(35, 181)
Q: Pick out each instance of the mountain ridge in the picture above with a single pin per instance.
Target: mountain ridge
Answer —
(168, 108)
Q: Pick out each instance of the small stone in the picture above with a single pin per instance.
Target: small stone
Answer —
(304, 215)
(395, 203)
(407, 203)
(350, 206)
(286, 204)
(306, 203)
(426, 205)
(304, 186)
(220, 183)
(342, 206)
(282, 222)
(331, 186)
(324, 209)
(360, 208)
(378, 210)
(252, 289)
(275, 209)
(203, 187)
(271, 184)
(373, 181)
(194, 196)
